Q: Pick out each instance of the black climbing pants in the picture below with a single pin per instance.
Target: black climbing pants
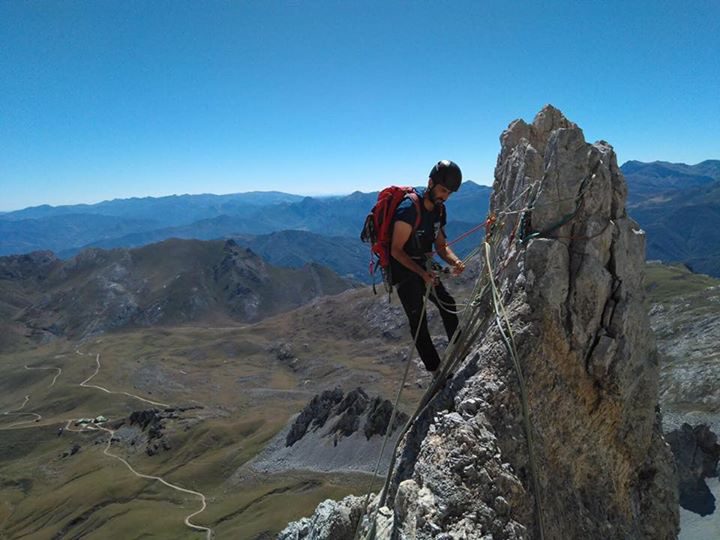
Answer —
(411, 291)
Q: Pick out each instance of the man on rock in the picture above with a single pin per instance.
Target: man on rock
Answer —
(411, 250)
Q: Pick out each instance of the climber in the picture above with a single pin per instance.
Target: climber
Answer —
(411, 253)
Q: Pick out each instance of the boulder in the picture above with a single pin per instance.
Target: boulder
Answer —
(696, 452)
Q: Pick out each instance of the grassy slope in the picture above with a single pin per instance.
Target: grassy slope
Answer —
(665, 283)
(248, 396)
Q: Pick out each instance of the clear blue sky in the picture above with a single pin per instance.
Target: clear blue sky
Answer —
(104, 99)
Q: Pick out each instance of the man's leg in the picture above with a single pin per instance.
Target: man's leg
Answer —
(411, 293)
(446, 305)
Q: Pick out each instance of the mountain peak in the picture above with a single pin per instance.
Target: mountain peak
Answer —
(172, 282)
(550, 417)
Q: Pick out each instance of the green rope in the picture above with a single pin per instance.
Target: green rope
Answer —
(579, 198)
(426, 398)
(509, 340)
(462, 340)
(394, 410)
(457, 350)
(460, 337)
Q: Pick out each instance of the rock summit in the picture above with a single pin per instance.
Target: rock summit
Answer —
(569, 265)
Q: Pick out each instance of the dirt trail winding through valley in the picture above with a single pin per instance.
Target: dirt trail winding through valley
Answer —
(27, 398)
(97, 370)
(95, 427)
(20, 408)
(16, 412)
(106, 451)
(187, 521)
(59, 372)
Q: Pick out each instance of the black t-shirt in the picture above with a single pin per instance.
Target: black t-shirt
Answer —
(422, 240)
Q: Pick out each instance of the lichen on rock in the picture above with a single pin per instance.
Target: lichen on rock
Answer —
(569, 264)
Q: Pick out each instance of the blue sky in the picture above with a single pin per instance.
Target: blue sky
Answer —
(105, 99)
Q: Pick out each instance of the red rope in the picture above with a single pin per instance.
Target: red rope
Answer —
(465, 234)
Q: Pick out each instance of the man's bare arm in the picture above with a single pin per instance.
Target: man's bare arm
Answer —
(447, 254)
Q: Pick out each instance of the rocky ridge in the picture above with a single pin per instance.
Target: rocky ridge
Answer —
(347, 412)
(569, 264)
(686, 322)
(150, 431)
(335, 431)
(173, 282)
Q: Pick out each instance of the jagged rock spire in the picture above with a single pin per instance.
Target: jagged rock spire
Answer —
(570, 266)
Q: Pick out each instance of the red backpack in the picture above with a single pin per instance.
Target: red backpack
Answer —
(378, 228)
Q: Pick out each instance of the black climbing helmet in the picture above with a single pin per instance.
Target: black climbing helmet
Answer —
(447, 173)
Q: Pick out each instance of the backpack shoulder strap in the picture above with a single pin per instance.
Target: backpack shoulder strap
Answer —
(418, 210)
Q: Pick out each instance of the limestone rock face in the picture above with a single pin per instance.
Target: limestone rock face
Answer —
(569, 266)
(332, 521)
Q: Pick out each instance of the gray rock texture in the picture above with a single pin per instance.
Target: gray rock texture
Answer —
(335, 432)
(333, 520)
(686, 325)
(696, 452)
(347, 412)
(568, 263)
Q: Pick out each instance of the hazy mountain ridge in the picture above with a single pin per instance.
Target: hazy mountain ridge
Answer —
(290, 248)
(56, 232)
(202, 217)
(344, 255)
(679, 207)
(678, 204)
(175, 208)
(653, 180)
(665, 169)
(684, 227)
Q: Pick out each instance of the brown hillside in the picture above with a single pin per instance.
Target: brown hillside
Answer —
(172, 282)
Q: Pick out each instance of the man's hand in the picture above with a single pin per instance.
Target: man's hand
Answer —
(458, 267)
(430, 278)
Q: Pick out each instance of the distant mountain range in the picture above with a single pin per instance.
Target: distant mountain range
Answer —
(172, 282)
(678, 205)
(66, 230)
(684, 226)
(170, 210)
(657, 180)
(319, 229)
